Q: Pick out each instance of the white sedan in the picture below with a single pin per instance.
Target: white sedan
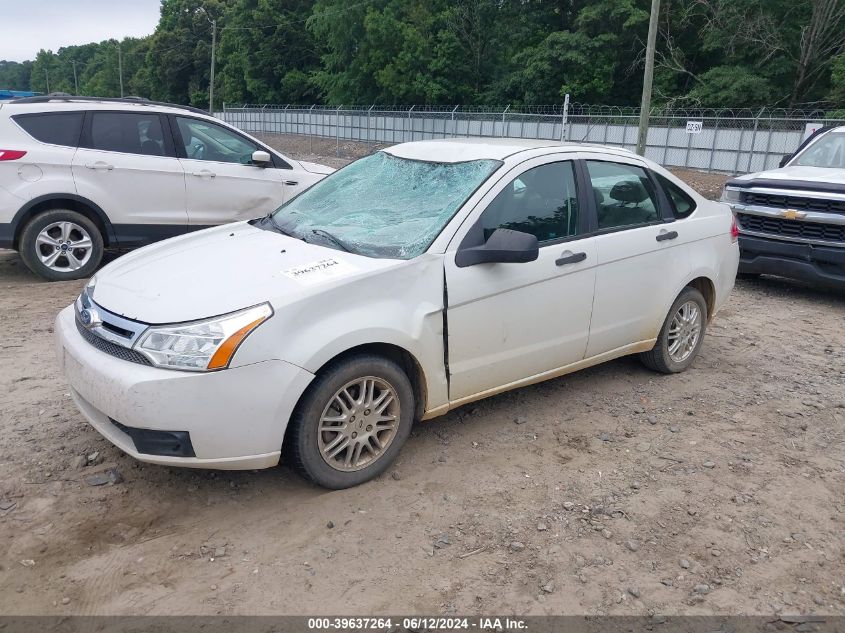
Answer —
(413, 281)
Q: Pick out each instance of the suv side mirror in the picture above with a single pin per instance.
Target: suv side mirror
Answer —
(783, 161)
(504, 246)
(261, 158)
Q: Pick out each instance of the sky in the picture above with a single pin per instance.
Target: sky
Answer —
(26, 26)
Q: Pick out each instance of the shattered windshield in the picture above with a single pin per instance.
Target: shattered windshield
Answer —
(828, 151)
(383, 206)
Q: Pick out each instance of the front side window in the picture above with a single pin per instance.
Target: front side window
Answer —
(624, 195)
(127, 132)
(383, 205)
(828, 151)
(541, 201)
(56, 128)
(682, 204)
(206, 141)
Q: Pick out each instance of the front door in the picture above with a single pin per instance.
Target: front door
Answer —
(222, 183)
(507, 322)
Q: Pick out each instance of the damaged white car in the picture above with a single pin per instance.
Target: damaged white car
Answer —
(412, 281)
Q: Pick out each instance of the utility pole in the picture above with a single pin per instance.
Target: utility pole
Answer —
(211, 79)
(648, 78)
(120, 68)
(75, 82)
(47, 76)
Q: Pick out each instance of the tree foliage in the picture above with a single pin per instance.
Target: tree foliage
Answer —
(711, 53)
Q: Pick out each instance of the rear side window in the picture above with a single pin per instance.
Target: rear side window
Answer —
(56, 128)
(127, 132)
(682, 204)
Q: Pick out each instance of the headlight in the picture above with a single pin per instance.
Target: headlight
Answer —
(730, 195)
(201, 345)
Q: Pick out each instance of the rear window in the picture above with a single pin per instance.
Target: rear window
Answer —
(56, 128)
(682, 204)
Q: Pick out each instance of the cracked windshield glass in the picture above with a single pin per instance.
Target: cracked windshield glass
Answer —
(383, 206)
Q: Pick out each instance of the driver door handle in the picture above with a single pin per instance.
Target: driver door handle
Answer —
(291, 183)
(204, 173)
(666, 235)
(100, 166)
(573, 258)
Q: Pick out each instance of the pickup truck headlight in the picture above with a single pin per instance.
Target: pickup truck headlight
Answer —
(201, 345)
(730, 195)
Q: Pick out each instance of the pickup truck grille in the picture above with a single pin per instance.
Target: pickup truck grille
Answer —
(792, 202)
(792, 228)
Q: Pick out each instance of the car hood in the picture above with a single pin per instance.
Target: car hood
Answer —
(796, 173)
(316, 168)
(220, 270)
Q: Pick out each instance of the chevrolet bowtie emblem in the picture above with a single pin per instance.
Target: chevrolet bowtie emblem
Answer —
(792, 214)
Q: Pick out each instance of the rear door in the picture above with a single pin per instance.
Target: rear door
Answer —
(222, 182)
(640, 262)
(127, 166)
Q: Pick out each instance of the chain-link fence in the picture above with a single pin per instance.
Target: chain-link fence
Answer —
(727, 141)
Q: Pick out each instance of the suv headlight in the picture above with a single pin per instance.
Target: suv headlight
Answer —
(730, 195)
(201, 345)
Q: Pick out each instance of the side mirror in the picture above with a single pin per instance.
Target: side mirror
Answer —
(783, 161)
(261, 158)
(504, 247)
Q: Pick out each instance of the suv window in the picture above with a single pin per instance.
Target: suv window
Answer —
(682, 204)
(624, 194)
(127, 132)
(56, 128)
(541, 201)
(206, 141)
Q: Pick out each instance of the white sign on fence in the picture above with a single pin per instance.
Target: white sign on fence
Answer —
(694, 127)
(810, 129)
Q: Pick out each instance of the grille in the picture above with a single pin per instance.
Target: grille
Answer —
(793, 202)
(792, 228)
(111, 348)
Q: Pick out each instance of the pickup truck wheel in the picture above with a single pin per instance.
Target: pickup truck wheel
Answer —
(681, 335)
(61, 245)
(352, 422)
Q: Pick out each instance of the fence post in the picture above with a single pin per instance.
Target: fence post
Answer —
(739, 149)
(564, 119)
(285, 119)
(454, 127)
(768, 145)
(689, 144)
(368, 122)
(410, 125)
(337, 131)
(713, 149)
(311, 129)
(263, 122)
(753, 140)
(503, 120)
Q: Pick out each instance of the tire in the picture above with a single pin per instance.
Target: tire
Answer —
(64, 228)
(306, 445)
(661, 358)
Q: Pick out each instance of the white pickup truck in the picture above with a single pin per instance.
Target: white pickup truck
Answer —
(792, 220)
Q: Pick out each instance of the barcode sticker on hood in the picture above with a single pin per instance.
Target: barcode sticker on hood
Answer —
(320, 271)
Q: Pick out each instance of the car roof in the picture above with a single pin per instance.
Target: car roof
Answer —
(70, 103)
(459, 150)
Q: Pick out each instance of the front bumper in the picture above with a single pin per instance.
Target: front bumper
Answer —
(816, 264)
(236, 417)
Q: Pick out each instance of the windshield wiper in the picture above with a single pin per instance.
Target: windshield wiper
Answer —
(271, 216)
(333, 238)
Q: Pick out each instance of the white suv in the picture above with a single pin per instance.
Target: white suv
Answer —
(80, 175)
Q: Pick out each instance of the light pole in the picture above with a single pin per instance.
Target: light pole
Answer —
(120, 68)
(75, 82)
(648, 78)
(47, 77)
(211, 78)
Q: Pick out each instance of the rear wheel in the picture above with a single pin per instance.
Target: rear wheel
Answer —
(352, 422)
(681, 335)
(61, 245)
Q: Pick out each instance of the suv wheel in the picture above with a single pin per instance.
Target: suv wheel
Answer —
(352, 422)
(681, 335)
(61, 245)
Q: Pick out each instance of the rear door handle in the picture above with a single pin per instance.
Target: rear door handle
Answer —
(666, 235)
(291, 183)
(204, 173)
(572, 258)
(100, 166)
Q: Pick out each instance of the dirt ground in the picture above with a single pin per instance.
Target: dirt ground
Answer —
(610, 491)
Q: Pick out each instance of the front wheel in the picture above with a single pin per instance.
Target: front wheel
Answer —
(681, 336)
(61, 245)
(352, 422)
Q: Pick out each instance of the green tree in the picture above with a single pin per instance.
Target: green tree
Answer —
(15, 75)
